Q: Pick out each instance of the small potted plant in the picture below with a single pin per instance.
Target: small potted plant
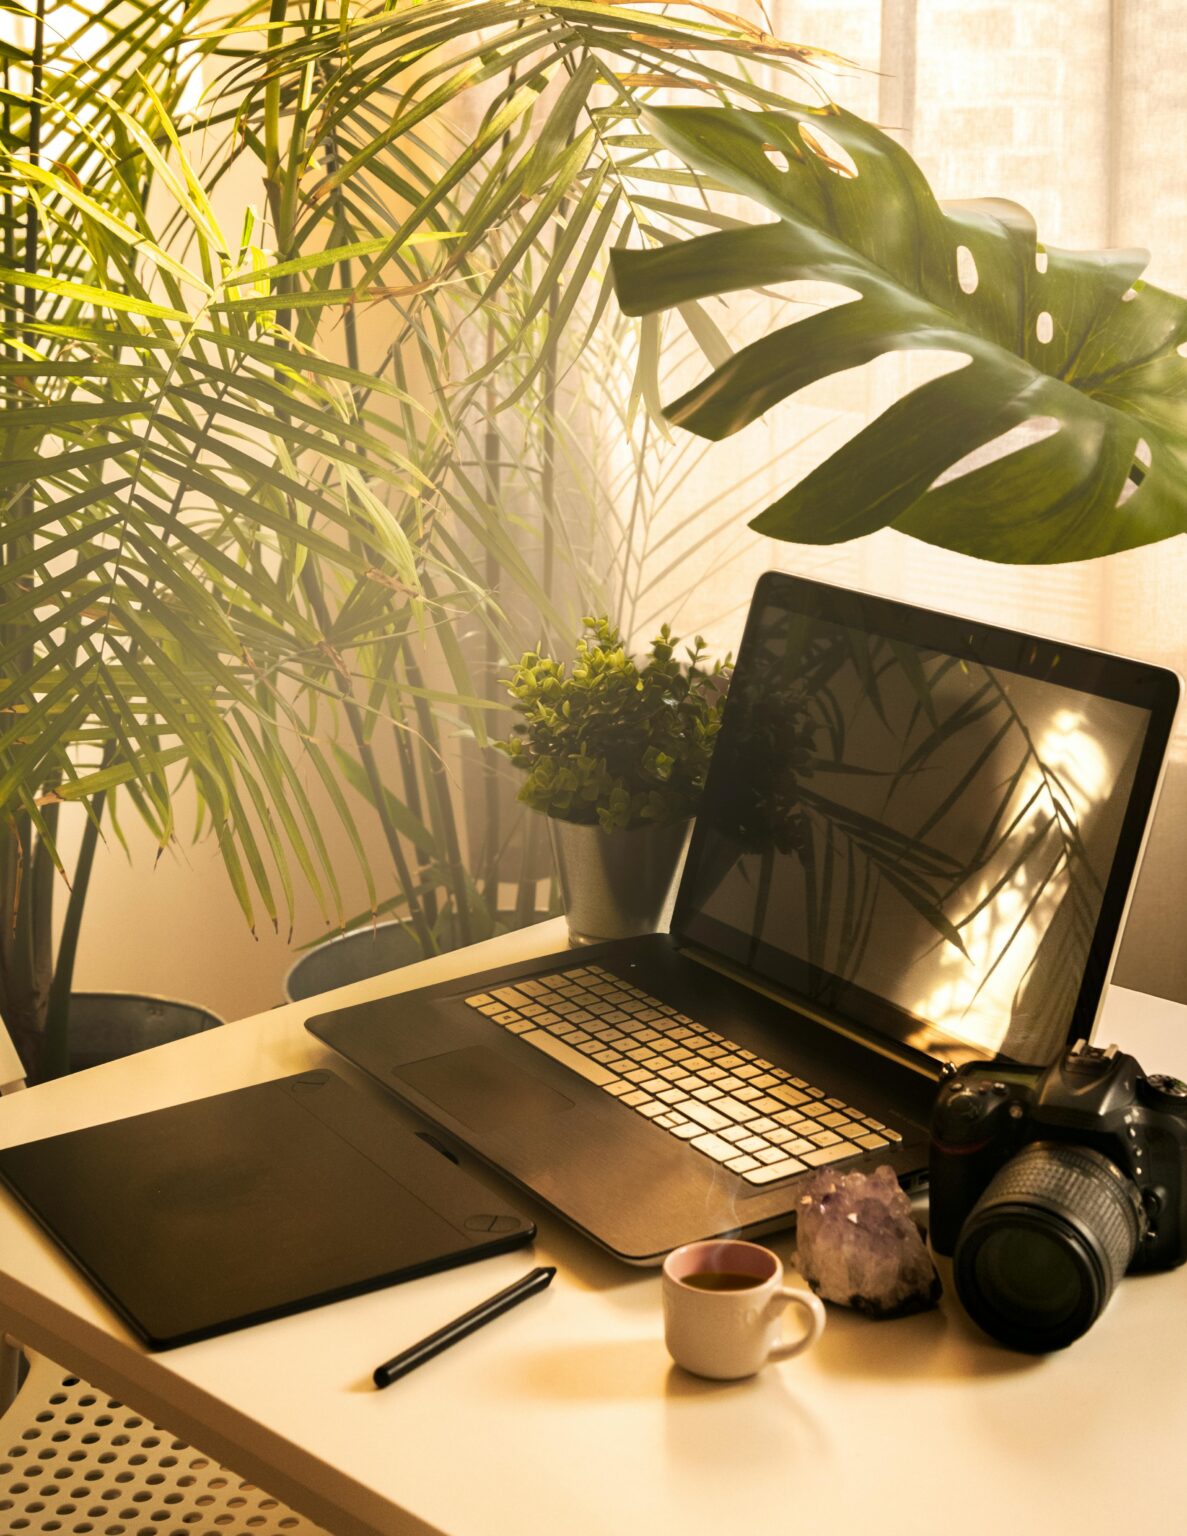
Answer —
(615, 754)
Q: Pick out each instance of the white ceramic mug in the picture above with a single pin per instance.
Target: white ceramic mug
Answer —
(730, 1333)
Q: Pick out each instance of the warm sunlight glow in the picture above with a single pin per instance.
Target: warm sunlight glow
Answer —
(1068, 777)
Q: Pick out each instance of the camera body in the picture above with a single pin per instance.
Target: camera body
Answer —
(1095, 1099)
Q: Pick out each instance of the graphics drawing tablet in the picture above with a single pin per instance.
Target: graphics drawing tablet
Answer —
(231, 1210)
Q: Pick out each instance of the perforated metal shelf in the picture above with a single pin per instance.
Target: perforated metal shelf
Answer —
(75, 1462)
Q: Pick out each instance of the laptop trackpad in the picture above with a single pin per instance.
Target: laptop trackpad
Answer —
(479, 1088)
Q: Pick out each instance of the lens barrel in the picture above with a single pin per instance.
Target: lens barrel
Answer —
(1044, 1247)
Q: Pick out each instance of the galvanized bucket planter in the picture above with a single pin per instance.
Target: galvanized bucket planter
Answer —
(618, 884)
(105, 1026)
(351, 957)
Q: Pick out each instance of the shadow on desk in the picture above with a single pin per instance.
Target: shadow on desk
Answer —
(940, 1343)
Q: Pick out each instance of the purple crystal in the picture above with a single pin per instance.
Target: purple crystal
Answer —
(859, 1246)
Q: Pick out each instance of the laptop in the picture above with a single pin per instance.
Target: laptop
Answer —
(915, 848)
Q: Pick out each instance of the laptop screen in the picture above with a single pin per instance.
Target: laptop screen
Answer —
(924, 826)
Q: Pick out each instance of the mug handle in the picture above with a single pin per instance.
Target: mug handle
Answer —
(812, 1305)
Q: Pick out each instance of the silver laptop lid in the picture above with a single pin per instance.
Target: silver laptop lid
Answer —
(924, 827)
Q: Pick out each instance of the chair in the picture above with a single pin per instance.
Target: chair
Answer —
(76, 1462)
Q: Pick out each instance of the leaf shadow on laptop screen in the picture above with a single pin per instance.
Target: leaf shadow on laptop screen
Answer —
(931, 830)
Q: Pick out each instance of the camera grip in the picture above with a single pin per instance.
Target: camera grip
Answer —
(969, 1144)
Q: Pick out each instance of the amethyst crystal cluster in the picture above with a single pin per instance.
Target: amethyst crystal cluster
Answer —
(859, 1246)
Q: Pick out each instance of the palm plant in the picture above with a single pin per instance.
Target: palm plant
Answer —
(246, 536)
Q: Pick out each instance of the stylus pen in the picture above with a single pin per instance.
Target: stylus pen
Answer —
(408, 1359)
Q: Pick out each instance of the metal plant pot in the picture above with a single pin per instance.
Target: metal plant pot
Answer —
(351, 957)
(617, 884)
(105, 1026)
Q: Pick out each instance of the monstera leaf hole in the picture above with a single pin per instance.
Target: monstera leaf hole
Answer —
(1045, 327)
(1137, 472)
(1040, 260)
(777, 158)
(966, 269)
(825, 147)
(1024, 435)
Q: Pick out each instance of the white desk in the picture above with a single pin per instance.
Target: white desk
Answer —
(565, 1416)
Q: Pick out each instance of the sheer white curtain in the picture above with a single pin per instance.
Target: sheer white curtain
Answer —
(1076, 109)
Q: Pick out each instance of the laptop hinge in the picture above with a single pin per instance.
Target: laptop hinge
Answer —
(903, 1056)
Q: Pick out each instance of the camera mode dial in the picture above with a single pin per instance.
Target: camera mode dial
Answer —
(1165, 1092)
(966, 1109)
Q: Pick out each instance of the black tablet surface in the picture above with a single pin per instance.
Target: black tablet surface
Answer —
(231, 1210)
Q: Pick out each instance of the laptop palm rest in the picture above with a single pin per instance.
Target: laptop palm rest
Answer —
(476, 1086)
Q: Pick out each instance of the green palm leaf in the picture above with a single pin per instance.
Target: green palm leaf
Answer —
(1075, 337)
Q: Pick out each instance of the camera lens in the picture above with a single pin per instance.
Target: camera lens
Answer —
(1044, 1247)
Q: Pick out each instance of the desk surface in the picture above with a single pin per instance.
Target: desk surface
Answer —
(566, 1416)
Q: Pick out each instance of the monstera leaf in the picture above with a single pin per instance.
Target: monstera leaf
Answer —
(1069, 335)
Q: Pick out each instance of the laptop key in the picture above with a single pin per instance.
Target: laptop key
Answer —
(521, 1027)
(688, 1130)
(871, 1140)
(732, 1107)
(702, 1114)
(651, 1109)
(771, 1155)
(743, 1164)
(831, 1154)
(769, 1172)
(765, 1105)
(792, 1097)
(617, 1088)
(713, 1146)
(592, 1071)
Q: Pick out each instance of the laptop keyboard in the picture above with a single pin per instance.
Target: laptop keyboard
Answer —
(754, 1118)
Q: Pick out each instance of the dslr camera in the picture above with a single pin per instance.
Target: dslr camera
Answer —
(1050, 1183)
